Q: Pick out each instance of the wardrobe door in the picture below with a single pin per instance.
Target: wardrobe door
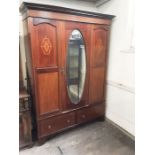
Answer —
(98, 63)
(75, 63)
(45, 57)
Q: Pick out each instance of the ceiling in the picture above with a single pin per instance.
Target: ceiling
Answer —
(96, 2)
(89, 0)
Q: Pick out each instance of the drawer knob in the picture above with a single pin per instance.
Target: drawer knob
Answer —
(83, 116)
(68, 121)
(49, 126)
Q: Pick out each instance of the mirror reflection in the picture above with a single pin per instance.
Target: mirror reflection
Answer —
(76, 66)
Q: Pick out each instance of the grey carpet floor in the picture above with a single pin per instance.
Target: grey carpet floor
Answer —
(97, 138)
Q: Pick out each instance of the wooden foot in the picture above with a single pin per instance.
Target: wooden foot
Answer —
(102, 118)
(41, 141)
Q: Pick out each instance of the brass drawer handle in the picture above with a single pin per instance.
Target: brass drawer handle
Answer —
(49, 126)
(62, 70)
(68, 121)
(83, 116)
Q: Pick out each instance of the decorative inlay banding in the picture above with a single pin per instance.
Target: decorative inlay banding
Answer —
(46, 45)
(99, 45)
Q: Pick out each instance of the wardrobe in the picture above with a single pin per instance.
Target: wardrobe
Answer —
(66, 55)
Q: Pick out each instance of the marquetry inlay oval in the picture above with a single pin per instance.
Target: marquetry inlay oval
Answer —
(46, 45)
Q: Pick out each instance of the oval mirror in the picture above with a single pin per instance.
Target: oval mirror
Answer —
(76, 66)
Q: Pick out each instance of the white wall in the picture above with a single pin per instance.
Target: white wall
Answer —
(120, 78)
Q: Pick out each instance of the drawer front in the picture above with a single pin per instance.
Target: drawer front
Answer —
(54, 124)
(90, 113)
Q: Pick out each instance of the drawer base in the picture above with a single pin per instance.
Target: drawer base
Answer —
(59, 123)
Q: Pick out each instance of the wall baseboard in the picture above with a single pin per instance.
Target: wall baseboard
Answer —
(120, 128)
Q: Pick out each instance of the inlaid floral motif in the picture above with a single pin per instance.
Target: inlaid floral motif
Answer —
(46, 45)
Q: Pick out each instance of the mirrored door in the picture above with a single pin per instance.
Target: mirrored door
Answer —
(75, 63)
(75, 66)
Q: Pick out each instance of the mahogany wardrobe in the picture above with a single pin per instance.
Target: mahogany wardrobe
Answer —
(66, 51)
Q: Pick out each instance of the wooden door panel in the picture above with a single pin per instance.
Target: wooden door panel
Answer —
(46, 42)
(99, 46)
(45, 60)
(98, 63)
(84, 30)
(48, 92)
(96, 94)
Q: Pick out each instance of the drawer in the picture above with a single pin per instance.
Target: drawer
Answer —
(90, 113)
(57, 123)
